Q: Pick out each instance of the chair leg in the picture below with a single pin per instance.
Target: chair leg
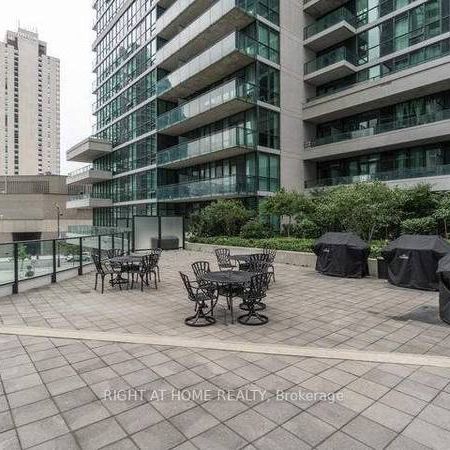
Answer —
(96, 280)
(157, 269)
(103, 283)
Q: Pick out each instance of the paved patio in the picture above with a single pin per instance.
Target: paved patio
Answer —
(305, 308)
(60, 393)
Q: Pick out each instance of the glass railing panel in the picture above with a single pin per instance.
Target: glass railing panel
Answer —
(67, 254)
(229, 138)
(35, 259)
(232, 90)
(333, 57)
(6, 263)
(340, 15)
(90, 245)
(398, 174)
(383, 127)
(210, 187)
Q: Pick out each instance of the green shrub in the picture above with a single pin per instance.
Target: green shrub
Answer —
(255, 230)
(421, 225)
(224, 217)
(306, 228)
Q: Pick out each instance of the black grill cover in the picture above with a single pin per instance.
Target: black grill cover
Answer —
(413, 261)
(444, 288)
(342, 255)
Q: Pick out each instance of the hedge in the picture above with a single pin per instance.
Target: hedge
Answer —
(277, 243)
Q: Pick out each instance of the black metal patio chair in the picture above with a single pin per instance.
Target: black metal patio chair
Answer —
(205, 300)
(272, 255)
(252, 296)
(158, 252)
(223, 259)
(103, 269)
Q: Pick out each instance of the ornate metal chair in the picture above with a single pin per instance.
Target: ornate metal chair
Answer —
(223, 259)
(158, 252)
(253, 296)
(115, 252)
(103, 269)
(205, 300)
(272, 255)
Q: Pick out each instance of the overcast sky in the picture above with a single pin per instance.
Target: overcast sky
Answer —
(66, 26)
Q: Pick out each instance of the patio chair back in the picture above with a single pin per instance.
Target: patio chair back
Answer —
(223, 258)
(114, 253)
(271, 252)
(200, 268)
(188, 286)
(98, 262)
(258, 287)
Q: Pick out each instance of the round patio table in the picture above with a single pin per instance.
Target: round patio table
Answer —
(125, 262)
(229, 280)
(243, 260)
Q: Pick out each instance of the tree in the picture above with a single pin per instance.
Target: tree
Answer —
(221, 218)
(442, 212)
(364, 208)
(288, 205)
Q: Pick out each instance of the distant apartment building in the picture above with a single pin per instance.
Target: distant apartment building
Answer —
(198, 100)
(29, 106)
(29, 208)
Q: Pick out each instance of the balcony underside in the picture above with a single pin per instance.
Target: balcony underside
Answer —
(229, 64)
(89, 203)
(331, 36)
(425, 79)
(89, 150)
(319, 8)
(184, 48)
(221, 111)
(420, 135)
(330, 73)
(168, 28)
(89, 177)
(207, 157)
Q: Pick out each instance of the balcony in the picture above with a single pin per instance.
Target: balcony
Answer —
(224, 17)
(225, 144)
(229, 99)
(318, 8)
(332, 66)
(88, 175)
(224, 58)
(89, 150)
(178, 16)
(88, 201)
(404, 177)
(233, 186)
(331, 29)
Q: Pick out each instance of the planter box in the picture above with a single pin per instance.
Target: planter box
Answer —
(301, 259)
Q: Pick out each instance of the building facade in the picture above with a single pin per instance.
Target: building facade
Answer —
(204, 99)
(29, 106)
(377, 92)
(29, 207)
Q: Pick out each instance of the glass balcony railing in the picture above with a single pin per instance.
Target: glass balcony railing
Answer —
(229, 138)
(80, 171)
(398, 174)
(215, 187)
(233, 90)
(338, 55)
(383, 127)
(90, 196)
(235, 41)
(340, 15)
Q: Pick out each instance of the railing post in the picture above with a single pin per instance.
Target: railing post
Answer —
(123, 242)
(113, 243)
(80, 255)
(129, 243)
(15, 287)
(54, 260)
(100, 246)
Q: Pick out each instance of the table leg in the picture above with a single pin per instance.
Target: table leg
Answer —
(230, 302)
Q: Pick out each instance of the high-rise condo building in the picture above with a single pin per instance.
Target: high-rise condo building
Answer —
(198, 100)
(29, 106)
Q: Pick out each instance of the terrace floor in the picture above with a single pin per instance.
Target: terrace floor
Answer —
(379, 352)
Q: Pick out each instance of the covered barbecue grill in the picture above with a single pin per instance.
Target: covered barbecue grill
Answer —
(342, 255)
(444, 288)
(412, 260)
